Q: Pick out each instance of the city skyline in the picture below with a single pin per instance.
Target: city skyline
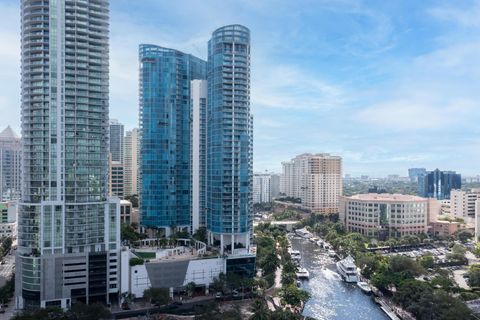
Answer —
(342, 82)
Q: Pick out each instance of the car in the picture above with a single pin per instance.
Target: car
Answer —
(218, 295)
(177, 303)
(125, 306)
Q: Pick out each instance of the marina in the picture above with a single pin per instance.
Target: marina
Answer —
(331, 297)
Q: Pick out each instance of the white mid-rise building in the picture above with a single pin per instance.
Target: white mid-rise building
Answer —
(314, 178)
(8, 219)
(477, 220)
(262, 191)
(131, 161)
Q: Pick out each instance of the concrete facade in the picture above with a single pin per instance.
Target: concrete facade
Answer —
(316, 179)
(384, 215)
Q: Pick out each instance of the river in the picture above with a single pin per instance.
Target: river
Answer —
(331, 298)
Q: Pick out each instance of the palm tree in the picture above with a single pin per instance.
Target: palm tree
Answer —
(260, 310)
(127, 297)
(191, 286)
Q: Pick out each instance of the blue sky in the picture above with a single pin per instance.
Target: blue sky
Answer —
(387, 85)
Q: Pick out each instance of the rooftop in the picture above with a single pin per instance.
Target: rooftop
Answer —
(390, 197)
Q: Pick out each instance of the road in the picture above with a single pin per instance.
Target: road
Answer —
(7, 269)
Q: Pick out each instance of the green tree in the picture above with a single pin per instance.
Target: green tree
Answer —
(458, 253)
(191, 286)
(427, 261)
(443, 282)
(260, 310)
(293, 296)
(405, 265)
(474, 275)
(136, 261)
(463, 236)
(80, 311)
(201, 234)
(159, 296)
(127, 297)
(288, 278)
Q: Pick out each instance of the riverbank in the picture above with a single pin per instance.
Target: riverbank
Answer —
(331, 298)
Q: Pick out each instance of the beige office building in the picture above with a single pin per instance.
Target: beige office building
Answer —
(314, 178)
(462, 203)
(131, 162)
(384, 215)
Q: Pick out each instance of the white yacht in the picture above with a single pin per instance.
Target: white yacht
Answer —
(365, 287)
(331, 253)
(347, 269)
(314, 239)
(302, 273)
(304, 233)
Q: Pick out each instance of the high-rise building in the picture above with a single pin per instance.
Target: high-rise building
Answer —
(68, 227)
(198, 95)
(287, 179)
(274, 185)
(438, 184)
(462, 203)
(116, 185)
(262, 188)
(266, 187)
(10, 165)
(116, 140)
(477, 220)
(229, 140)
(131, 161)
(316, 179)
(165, 125)
(415, 173)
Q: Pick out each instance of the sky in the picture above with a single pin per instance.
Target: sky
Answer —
(387, 85)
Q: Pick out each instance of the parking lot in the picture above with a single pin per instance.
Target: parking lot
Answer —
(440, 254)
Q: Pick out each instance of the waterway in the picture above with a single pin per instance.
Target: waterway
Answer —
(331, 298)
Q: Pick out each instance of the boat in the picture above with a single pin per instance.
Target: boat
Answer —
(304, 233)
(364, 286)
(313, 239)
(320, 243)
(347, 269)
(302, 273)
(331, 253)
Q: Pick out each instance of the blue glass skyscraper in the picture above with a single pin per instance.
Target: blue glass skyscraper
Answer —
(438, 184)
(165, 151)
(229, 139)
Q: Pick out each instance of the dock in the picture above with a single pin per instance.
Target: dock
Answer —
(386, 308)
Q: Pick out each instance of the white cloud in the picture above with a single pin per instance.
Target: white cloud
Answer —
(287, 87)
(467, 16)
(412, 114)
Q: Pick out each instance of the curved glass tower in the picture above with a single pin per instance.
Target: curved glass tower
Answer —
(68, 230)
(229, 139)
(165, 129)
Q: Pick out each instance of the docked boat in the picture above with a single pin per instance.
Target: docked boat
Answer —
(364, 287)
(313, 239)
(331, 253)
(302, 273)
(304, 233)
(347, 269)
